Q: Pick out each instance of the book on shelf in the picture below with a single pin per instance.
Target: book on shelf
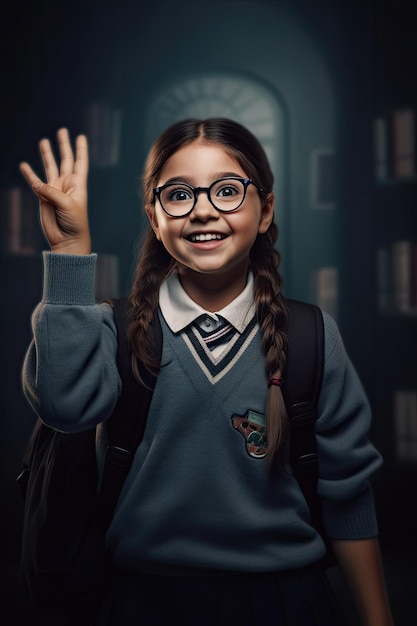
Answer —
(394, 137)
(397, 277)
(405, 424)
(404, 143)
(104, 130)
(19, 222)
(324, 289)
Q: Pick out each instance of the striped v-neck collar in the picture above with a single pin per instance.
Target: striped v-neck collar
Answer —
(216, 367)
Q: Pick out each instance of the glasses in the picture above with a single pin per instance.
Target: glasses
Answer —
(225, 194)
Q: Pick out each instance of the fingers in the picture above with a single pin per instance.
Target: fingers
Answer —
(42, 190)
(51, 195)
(65, 151)
(81, 156)
(48, 159)
(34, 181)
(31, 177)
(67, 166)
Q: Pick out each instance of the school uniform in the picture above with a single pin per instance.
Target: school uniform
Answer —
(204, 533)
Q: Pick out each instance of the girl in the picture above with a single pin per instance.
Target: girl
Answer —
(205, 532)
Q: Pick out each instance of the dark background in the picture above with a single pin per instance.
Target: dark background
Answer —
(329, 69)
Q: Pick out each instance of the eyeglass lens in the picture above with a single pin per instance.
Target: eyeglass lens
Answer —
(226, 195)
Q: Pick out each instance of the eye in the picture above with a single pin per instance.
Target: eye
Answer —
(227, 191)
(178, 194)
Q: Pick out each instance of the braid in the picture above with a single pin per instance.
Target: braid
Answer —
(154, 266)
(272, 316)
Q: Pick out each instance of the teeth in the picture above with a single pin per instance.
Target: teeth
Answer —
(206, 237)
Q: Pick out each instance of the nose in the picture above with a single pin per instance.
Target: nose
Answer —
(203, 209)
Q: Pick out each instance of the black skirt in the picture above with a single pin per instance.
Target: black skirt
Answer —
(298, 598)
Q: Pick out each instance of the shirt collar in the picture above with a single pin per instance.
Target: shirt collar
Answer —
(179, 310)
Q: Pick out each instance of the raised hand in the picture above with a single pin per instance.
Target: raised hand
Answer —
(63, 197)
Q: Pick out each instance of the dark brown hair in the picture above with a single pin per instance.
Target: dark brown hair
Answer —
(155, 263)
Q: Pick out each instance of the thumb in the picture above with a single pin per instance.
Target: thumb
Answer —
(50, 194)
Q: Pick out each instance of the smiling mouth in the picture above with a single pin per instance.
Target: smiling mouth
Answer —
(206, 237)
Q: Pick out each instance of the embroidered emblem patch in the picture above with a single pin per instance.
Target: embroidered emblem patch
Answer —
(252, 427)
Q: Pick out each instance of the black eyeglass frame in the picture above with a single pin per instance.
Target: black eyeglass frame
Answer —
(196, 190)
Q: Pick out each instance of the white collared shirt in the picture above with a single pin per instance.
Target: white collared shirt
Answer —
(179, 310)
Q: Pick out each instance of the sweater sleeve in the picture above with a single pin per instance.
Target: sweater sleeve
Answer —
(70, 374)
(347, 458)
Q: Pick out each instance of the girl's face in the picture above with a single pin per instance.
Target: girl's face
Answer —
(226, 258)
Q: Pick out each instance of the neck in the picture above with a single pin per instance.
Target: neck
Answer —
(212, 292)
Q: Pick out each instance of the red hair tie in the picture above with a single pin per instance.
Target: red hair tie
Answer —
(275, 381)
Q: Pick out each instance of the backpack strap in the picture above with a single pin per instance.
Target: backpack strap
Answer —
(303, 379)
(126, 425)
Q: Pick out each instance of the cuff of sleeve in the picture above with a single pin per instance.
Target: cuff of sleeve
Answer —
(69, 279)
(355, 519)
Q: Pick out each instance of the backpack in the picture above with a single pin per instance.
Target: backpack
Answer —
(68, 507)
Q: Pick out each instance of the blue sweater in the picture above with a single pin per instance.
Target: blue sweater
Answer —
(195, 495)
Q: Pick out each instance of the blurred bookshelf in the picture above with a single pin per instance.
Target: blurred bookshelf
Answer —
(395, 211)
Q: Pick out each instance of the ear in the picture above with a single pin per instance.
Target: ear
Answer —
(267, 214)
(153, 220)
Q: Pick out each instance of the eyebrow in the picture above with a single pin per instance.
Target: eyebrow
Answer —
(186, 179)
